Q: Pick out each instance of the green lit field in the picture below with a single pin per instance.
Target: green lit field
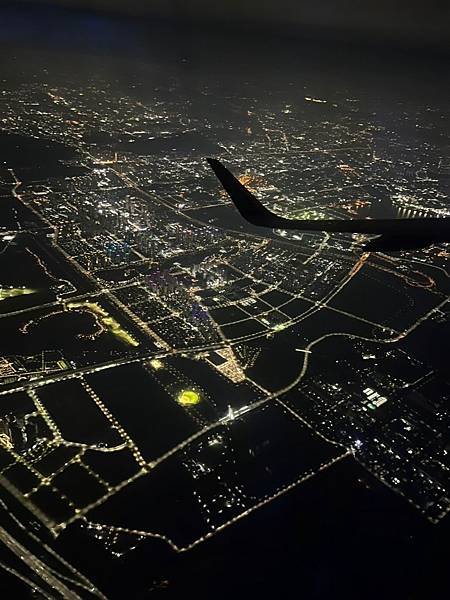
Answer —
(188, 398)
(107, 322)
(13, 292)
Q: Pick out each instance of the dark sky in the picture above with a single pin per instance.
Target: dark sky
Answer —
(408, 22)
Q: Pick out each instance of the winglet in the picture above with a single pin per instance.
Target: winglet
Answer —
(247, 204)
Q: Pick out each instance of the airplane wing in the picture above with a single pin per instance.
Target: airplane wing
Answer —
(401, 233)
(247, 204)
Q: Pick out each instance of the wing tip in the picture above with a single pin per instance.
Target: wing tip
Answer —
(247, 204)
(216, 165)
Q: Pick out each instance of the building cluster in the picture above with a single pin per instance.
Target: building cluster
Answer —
(397, 424)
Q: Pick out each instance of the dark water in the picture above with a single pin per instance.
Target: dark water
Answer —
(37, 159)
(383, 298)
(41, 270)
(15, 216)
(47, 329)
